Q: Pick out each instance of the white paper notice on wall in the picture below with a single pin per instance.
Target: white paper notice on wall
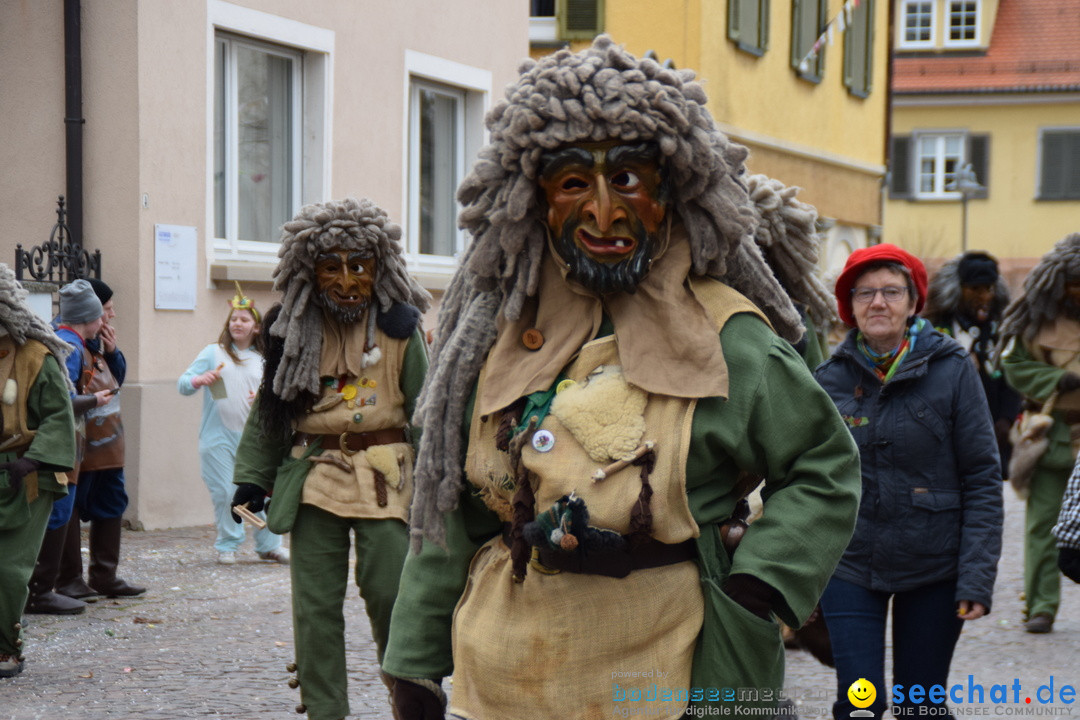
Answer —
(174, 267)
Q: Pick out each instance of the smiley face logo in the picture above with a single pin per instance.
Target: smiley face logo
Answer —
(862, 693)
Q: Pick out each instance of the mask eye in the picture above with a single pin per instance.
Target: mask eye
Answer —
(357, 269)
(625, 180)
(330, 265)
(573, 183)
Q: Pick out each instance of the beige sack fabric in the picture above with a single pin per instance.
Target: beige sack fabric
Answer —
(1029, 436)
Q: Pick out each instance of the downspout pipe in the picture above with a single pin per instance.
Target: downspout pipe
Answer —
(73, 119)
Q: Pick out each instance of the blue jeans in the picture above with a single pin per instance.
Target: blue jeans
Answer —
(100, 494)
(925, 630)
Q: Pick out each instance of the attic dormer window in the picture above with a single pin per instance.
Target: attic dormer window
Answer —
(963, 23)
(918, 23)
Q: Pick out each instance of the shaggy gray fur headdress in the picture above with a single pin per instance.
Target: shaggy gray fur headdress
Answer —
(788, 239)
(1044, 289)
(349, 224)
(599, 94)
(944, 293)
(21, 322)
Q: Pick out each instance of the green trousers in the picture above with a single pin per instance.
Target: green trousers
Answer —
(1042, 580)
(18, 552)
(320, 574)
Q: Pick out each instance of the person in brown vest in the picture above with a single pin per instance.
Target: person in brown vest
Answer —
(329, 434)
(611, 359)
(37, 444)
(1041, 360)
(100, 497)
(81, 318)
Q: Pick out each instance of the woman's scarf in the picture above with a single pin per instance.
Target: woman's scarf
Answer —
(885, 364)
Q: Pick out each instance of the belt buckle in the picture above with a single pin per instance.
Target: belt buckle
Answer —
(535, 564)
(344, 446)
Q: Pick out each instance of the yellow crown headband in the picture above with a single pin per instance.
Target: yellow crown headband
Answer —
(240, 301)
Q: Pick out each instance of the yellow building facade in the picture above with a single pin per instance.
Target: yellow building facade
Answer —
(993, 87)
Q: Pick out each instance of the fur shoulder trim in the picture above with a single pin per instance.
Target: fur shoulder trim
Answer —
(399, 321)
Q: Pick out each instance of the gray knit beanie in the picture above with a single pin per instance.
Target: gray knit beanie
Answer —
(79, 303)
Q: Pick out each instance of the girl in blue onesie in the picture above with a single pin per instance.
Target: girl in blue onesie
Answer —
(230, 370)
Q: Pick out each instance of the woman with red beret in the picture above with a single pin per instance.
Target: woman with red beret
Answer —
(928, 534)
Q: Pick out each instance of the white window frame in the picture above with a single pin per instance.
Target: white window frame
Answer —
(475, 84)
(947, 26)
(460, 95)
(902, 42)
(940, 176)
(312, 128)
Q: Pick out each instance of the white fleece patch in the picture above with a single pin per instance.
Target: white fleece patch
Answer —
(605, 414)
(389, 460)
(10, 392)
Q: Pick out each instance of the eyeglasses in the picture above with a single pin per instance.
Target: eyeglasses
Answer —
(891, 293)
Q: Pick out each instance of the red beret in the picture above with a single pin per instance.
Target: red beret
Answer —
(861, 258)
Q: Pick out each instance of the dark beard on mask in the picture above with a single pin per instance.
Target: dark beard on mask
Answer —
(603, 278)
(345, 316)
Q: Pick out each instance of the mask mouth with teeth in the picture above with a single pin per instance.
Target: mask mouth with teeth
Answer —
(605, 206)
(626, 259)
(345, 281)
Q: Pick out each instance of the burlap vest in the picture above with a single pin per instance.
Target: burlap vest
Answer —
(19, 367)
(378, 404)
(1058, 343)
(566, 645)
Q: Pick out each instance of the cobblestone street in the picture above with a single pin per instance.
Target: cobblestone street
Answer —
(212, 641)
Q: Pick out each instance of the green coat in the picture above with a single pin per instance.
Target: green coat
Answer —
(48, 412)
(777, 423)
(1036, 380)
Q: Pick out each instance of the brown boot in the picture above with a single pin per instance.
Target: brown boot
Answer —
(1040, 624)
(69, 579)
(104, 557)
(42, 599)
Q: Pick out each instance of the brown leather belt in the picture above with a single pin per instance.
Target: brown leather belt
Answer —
(352, 442)
(611, 563)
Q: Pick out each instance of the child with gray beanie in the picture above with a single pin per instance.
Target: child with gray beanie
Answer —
(79, 303)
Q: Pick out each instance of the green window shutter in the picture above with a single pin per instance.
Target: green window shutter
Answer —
(978, 154)
(580, 19)
(1060, 176)
(808, 20)
(859, 50)
(900, 167)
(748, 25)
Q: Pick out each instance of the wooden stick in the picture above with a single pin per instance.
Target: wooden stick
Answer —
(620, 464)
(251, 517)
(11, 442)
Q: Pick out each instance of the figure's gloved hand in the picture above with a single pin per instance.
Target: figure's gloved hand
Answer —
(1069, 562)
(248, 494)
(412, 701)
(1068, 382)
(755, 595)
(18, 469)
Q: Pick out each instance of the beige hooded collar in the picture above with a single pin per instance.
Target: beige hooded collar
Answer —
(343, 347)
(668, 345)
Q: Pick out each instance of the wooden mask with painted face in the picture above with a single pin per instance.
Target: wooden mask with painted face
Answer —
(346, 281)
(606, 205)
